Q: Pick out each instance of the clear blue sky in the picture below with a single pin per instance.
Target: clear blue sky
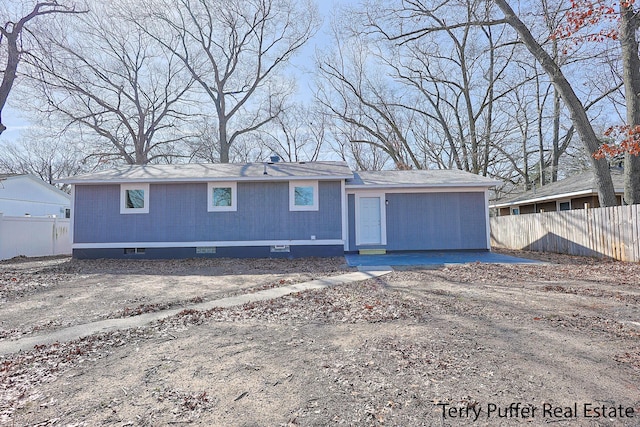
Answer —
(14, 123)
(304, 61)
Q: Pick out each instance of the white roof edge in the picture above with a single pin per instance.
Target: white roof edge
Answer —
(447, 185)
(549, 198)
(206, 179)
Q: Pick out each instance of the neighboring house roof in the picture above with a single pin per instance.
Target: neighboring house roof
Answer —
(418, 179)
(8, 175)
(278, 171)
(46, 186)
(22, 194)
(577, 185)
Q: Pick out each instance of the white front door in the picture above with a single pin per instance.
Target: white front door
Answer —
(369, 221)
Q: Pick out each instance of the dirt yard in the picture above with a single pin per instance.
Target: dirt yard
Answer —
(482, 345)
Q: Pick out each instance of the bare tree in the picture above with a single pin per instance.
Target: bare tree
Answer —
(356, 92)
(436, 100)
(579, 116)
(629, 25)
(604, 85)
(345, 141)
(234, 49)
(12, 33)
(50, 157)
(106, 75)
(461, 84)
(297, 134)
(246, 147)
(419, 21)
(200, 147)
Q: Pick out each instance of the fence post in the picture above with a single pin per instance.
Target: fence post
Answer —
(54, 235)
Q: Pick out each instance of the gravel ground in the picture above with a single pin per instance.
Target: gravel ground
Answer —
(466, 345)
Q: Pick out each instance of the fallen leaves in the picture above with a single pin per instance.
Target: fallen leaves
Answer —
(631, 358)
(350, 303)
(593, 292)
(20, 373)
(380, 378)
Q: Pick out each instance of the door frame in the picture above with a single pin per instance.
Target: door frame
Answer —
(383, 217)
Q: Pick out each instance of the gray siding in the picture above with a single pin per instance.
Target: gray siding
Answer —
(178, 213)
(431, 221)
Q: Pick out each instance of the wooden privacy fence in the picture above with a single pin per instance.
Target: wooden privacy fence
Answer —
(612, 232)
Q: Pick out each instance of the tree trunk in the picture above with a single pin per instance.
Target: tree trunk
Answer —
(13, 53)
(490, 99)
(606, 193)
(222, 136)
(525, 160)
(555, 155)
(140, 157)
(631, 77)
(13, 56)
(540, 101)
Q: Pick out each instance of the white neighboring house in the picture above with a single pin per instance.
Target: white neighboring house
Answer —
(34, 217)
(27, 194)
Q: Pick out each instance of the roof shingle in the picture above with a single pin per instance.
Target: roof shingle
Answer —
(582, 183)
(419, 178)
(193, 172)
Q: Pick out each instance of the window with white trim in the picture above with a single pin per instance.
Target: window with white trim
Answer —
(303, 195)
(564, 205)
(222, 197)
(134, 198)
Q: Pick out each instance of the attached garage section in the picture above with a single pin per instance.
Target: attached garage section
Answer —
(419, 210)
(431, 221)
(419, 221)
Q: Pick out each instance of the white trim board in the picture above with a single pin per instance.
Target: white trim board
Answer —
(344, 204)
(450, 186)
(487, 218)
(221, 244)
(383, 218)
(72, 207)
(413, 190)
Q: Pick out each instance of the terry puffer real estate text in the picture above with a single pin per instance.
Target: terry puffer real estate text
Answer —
(546, 410)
